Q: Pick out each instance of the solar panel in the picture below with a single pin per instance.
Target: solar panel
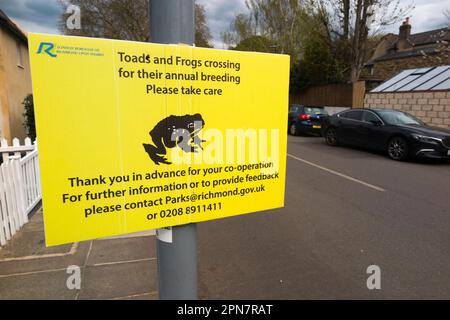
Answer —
(430, 84)
(425, 78)
(402, 83)
(393, 80)
(443, 85)
(420, 79)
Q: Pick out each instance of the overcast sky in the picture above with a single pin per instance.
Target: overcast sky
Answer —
(42, 15)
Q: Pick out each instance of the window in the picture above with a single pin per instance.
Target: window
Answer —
(293, 109)
(421, 71)
(313, 111)
(397, 117)
(19, 55)
(370, 117)
(352, 115)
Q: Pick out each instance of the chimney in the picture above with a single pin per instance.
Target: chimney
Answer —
(405, 30)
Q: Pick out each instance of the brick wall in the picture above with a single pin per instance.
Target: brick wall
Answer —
(431, 107)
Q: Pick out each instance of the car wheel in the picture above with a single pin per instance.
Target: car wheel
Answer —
(331, 137)
(293, 129)
(398, 149)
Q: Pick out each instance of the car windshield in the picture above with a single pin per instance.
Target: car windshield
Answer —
(293, 109)
(397, 117)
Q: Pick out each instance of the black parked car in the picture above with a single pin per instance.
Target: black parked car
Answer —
(305, 119)
(398, 133)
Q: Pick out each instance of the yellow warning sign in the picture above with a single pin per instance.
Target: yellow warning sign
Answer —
(136, 136)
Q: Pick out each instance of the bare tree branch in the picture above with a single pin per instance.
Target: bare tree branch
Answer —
(123, 19)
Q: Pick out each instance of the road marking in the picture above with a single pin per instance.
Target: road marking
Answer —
(136, 295)
(338, 174)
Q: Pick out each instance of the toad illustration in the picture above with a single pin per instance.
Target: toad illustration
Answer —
(181, 131)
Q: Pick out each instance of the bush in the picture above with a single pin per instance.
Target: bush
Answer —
(28, 115)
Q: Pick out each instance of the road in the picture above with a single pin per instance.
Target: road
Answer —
(345, 210)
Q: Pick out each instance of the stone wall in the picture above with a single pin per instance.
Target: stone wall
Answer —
(431, 107)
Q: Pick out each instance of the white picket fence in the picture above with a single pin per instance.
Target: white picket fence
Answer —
(20, 186)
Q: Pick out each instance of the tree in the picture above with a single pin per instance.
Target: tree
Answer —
(292, 27)
(123, 19)
(320, 61)
(350, 23)
(279, 20)
(202, 33)
(240, 29)
(112, 19)
(276, 20)
(255, 43)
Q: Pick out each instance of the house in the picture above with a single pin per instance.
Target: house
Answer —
(395, 53)
(15, 78)
(406, 51)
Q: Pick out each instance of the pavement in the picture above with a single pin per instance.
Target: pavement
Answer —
(345, 210)
(120, 268)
